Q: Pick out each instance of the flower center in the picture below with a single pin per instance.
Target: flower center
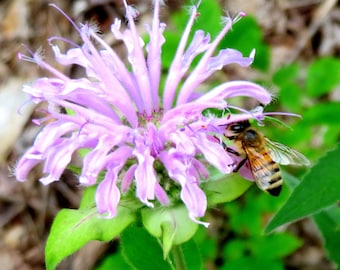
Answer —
(155, 118)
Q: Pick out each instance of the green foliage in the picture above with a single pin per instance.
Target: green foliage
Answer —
(72, 229)
(222, 188)
(328, 222)
(249, 248)
(143, 251)
(114, 261)
(286, 75)
(259, 252)
(304, 94)
(290, 92)
(78, 227)
(323, 76)
(246, 217)
(327, 113)
(251, 263)
(318, 190)
(169, 48)
(191, 255)
(171, 224)
(207, 245)
(246, 246)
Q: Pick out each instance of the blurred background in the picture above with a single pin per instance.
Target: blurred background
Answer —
(297, 58)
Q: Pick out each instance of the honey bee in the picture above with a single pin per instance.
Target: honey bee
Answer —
(264, 156)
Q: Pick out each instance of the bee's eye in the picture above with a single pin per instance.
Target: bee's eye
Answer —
(236, 128)
(239, 127)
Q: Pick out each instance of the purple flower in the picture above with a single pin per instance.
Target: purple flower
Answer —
(144, 141)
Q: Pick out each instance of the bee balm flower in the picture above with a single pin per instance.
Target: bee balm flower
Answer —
(144, 139)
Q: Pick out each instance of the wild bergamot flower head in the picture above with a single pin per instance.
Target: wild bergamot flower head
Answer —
(141, 139)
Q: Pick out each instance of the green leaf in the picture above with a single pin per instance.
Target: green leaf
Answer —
(235, 249)
(225, 188)
(271, 247)
(275, 246)
(328, 222)
(241, 215)
(290, 181)
(323, 113)
(72, 229)
(114, 261)
(206, 244)
(171, 224)
(142, 250)
(290, 92)
(251, 263)
(87, 200)
(323, 76)
(318, 190)
(290, 97)
(331, 135)
(286, 75)
(191, 255)
(169, 48)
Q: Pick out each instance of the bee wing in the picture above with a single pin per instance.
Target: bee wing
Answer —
(285, 155)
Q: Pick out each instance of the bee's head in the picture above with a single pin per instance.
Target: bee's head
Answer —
(250, 135)
(239, 127)
(252, 138)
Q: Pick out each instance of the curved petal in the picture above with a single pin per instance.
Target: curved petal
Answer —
(195, 200)
(107, 194)
(145, 174)
(26, 163)
(58, 157)
(237, 88)
(192, 196)
(128, 178)
(214, 153)
(51, 133)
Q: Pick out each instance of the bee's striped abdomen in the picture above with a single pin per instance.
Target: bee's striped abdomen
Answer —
(266, 172)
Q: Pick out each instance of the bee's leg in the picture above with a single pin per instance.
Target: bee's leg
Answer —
(239, 166)
(231, 151)
(227, 148)
(231, 138)
(234, 152)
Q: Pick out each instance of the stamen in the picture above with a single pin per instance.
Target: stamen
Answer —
(23, 105)
(35, 57)
(26, 58)
(66, 16)
(51, 39)
(283, 113)
(239, 16)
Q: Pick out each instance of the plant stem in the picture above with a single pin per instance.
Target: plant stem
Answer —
(178, 256)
